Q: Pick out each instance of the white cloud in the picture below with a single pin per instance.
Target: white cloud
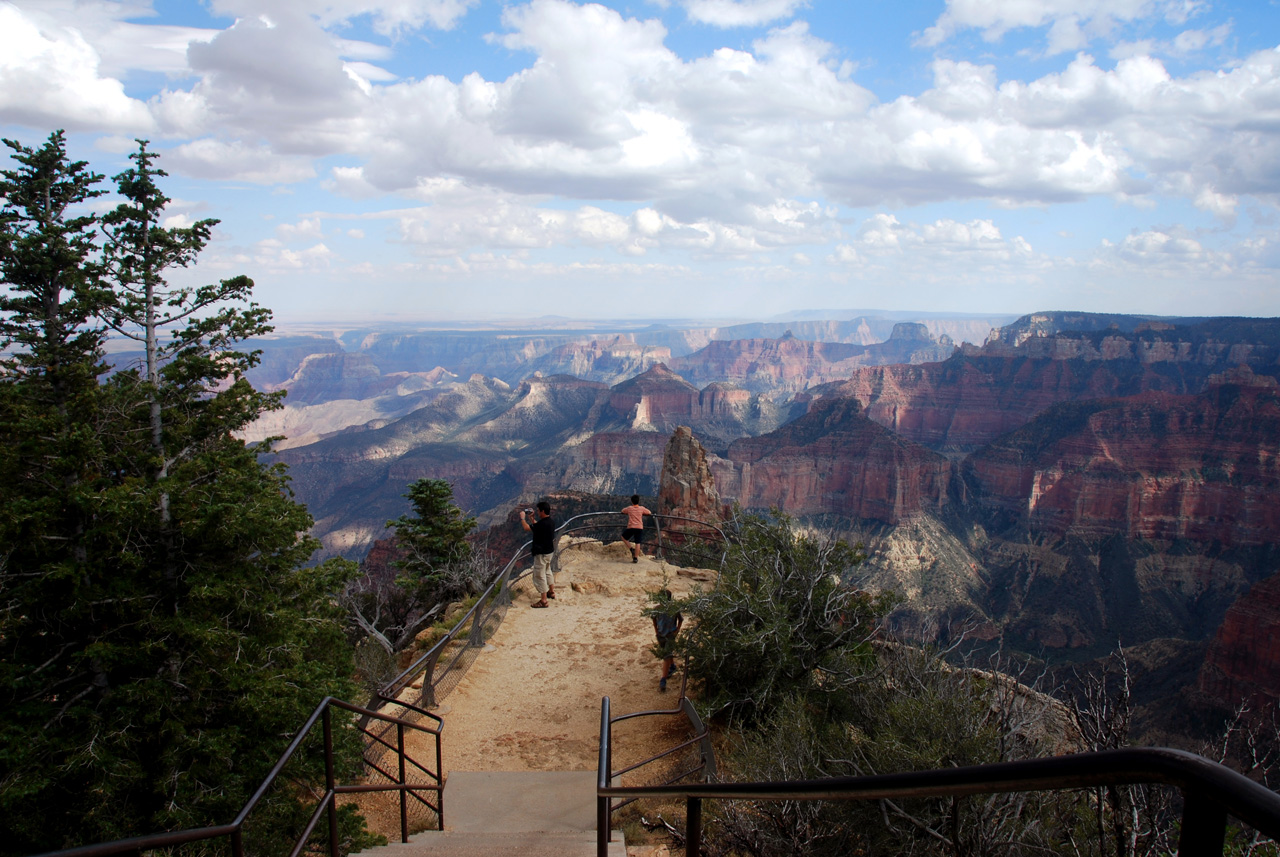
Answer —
(50, 78)
(1072, 23)
(216, 159)
(282, 78)
(306, 229)
(273, 256)
(739, 152)
(388, 16)
(740, 13)
(1185, 44)
(947, 241)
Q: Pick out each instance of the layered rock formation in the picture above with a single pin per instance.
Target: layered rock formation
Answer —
(1153, 466)
(1243, 663)
(834, 460)
(960, 405)
(788, 364)
(1075, 482)
(971, 399)
(660, 400)
(687, 488)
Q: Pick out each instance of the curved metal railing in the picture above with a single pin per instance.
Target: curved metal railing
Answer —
(398, 781)
(691, 540)
(1210, 791)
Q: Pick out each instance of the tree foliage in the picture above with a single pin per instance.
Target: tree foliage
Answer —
(798, 664)
(435, 535)
(780, 622)
(160, 635)
(796, 659)
(437, 566)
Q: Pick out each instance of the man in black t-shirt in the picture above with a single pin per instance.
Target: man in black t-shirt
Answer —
(543, 531)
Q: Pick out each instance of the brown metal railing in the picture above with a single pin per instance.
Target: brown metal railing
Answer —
(669, 536)
(1210, 791)
(328, 803)
(706, 764)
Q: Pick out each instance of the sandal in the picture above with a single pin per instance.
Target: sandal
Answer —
(539, 604)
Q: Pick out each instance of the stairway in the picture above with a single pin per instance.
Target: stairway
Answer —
(513, 814)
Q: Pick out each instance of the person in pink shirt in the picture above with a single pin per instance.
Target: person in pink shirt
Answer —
(633, 534)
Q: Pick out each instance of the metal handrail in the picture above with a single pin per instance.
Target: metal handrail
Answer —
(1210, 791)
(328, 802)
(605, 807)
(662, 544)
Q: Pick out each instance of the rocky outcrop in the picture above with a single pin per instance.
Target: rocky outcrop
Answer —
(982, 393)
(655, 400)
(1243, 663)
(687, 489)
(323, 377)
(660, 400)
(280, 356)
(834, 460)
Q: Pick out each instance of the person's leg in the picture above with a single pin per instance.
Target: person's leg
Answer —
(551, 578)
(664, 644)
(540, 567)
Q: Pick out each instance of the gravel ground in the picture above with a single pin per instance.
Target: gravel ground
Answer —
(533, 702)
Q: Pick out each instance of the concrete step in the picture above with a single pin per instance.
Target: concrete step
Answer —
(512, 814)
(528, 844)
(520, 801)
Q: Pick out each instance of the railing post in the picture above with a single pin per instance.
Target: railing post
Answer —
(658, 527)
(440, 781)
(404, 795)
(476, 639)
(428, 698)
(237, 843)
(1204, 826)
(693, 827)
(329, 782)
(604, 826)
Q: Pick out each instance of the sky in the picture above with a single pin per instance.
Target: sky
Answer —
(469, 159)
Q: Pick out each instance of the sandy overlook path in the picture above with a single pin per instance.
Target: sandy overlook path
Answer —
(532, 703)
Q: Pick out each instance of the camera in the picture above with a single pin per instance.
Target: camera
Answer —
(528, 511)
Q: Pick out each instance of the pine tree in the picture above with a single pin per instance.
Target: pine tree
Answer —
(435, 535)
(161, 636)
(51, 460)
(183, 370)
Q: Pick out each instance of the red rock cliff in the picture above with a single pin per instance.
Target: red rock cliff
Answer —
(1243, 664)
(835, 460)
(968, 401)
(687, 488)
(1155, 466)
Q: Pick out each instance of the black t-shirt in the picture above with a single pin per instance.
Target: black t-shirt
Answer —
(544, 536)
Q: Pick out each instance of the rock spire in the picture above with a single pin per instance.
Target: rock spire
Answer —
(687, 488)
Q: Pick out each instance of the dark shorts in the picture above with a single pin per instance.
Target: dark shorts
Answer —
(633, 534)
(665, 645)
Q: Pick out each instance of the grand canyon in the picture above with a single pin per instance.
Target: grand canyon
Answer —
(1053, 485)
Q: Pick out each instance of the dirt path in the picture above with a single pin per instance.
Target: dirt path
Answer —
(532, 703)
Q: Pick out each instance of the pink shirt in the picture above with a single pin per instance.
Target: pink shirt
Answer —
(635, 516)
